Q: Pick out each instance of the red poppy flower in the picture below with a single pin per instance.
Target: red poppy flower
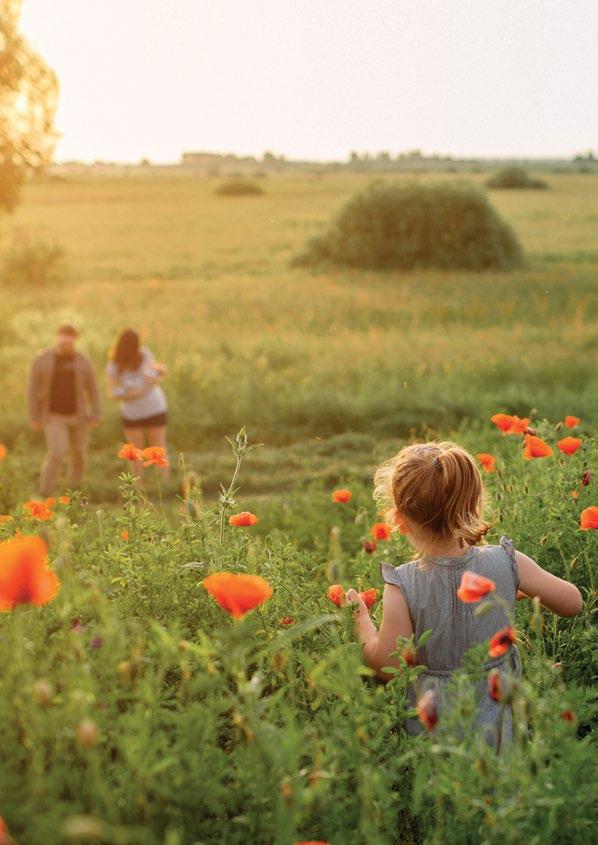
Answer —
(5, 837)
(427, 709)
(569, 445)
(535, 447)
(124, 534)
(50, 501)
(155, 456)
(336, 594)
(502, 421)
(510, 424)
(409, 655)
(286, 620)
(3, 451)
(381, 531)
(589, 518)
(130, 452)
(474, 587)
(487, 461)
(237, 593)
(369, 546)
(38, 510)
(519, 426)
(495, 690)
(501, 641)
(342, 496)
(64, 500)
(24, 574)
(311, 842)
(568, 715)
(369, 596)
(242, 519)
(572, 422)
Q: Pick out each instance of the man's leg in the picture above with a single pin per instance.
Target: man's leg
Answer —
(57, 441)
(78, 440)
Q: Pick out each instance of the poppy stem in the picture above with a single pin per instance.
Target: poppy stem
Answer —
(160, 490)
(263, 623)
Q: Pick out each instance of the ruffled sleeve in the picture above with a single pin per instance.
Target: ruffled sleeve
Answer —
(509, 548)
(390, 574)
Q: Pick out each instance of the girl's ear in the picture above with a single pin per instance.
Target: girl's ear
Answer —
(401, 523)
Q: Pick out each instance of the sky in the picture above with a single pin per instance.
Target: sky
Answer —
(316, 79)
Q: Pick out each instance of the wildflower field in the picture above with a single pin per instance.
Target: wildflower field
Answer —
(179, 666)
(191, 674)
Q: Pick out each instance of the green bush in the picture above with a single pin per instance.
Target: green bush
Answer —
(392, 226)
(238, 188)
(33, 264)
(516, 178)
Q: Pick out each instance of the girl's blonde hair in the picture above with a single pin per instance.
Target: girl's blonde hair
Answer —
(438, 487)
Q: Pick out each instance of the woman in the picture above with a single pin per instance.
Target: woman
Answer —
(133, 379)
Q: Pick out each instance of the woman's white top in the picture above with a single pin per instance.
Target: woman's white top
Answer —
(151, 403)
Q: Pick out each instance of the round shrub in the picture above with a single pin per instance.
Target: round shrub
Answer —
(394, 226)
(239, 188)
(515, 178)
(33, 264)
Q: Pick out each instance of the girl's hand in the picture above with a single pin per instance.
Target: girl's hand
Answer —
(353, 597)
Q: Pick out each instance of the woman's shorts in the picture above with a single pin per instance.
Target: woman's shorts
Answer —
(146, 422)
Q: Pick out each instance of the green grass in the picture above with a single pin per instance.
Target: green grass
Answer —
(298, 355)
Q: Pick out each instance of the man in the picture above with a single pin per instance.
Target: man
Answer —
(64, 401)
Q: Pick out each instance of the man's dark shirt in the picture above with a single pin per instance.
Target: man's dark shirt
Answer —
(63, 396)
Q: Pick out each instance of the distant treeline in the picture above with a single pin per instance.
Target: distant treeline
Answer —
(414, 161)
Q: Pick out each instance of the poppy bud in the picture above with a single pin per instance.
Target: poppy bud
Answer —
(409, 655)
(43, 692)
(568, 715)
(369, 546)
(87, 733)
(279, 660)
(586, 478)
(427, 709)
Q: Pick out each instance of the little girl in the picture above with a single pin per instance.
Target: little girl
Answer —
(434, 495)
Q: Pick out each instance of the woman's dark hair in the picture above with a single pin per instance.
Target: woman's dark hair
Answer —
(127, 354)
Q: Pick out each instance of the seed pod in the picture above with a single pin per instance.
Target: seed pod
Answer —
(87, 733)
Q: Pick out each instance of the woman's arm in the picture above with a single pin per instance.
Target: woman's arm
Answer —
(115, 391)
(396, 622)
(556, 594)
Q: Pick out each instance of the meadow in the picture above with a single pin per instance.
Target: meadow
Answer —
(133, 709)
(297, 356)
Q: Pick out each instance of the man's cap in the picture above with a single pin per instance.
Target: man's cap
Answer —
(67, 328)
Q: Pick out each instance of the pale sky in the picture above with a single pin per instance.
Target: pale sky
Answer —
(318, 78)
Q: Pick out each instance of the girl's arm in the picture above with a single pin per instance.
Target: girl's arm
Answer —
(396, 622)
(556, 594)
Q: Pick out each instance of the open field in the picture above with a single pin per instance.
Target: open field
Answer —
(296, 355)
(133, 709)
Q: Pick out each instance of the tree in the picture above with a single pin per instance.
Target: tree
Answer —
(28, 98)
